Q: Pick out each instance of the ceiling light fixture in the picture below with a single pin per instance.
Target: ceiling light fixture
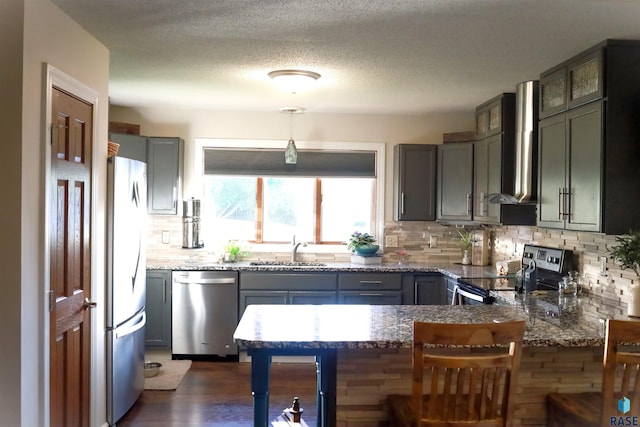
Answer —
(294, 81)
(291, 152)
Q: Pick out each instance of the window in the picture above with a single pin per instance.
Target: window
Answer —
(249, 194)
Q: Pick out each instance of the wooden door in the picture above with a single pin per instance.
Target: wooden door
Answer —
(70, 263)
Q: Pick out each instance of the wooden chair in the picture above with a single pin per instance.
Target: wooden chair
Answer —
(466, 388)
(620, 379)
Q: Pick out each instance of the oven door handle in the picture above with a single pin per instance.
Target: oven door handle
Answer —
(458, 294)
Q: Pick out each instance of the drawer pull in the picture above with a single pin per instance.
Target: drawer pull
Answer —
(370, 295)
(371, 282)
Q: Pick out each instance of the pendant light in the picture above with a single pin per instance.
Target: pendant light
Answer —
(291, 152)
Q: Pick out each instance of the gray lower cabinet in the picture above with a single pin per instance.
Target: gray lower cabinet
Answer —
(430, 289)
(158, 309)
(287, 288)
(370, 288)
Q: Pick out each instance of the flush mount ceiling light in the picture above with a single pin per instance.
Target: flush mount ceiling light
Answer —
(294, 81)
(291, 152)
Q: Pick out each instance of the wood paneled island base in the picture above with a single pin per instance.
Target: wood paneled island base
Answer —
(366, 376)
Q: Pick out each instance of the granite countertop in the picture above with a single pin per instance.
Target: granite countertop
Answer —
(450, 269)
(391, 326)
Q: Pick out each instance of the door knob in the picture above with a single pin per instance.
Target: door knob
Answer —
(88, 304)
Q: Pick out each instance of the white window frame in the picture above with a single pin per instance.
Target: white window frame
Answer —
(378, 147)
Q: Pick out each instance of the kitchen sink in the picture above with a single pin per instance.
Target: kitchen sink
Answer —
(288, 263)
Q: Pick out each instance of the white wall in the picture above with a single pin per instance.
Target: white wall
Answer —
(11, 35)
(191, 124)
(34, 32)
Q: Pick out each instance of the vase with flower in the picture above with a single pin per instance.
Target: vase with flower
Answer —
(362, 244)
(466, 241)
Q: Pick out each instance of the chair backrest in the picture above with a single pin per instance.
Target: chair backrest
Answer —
(466, 387)
(621, 377)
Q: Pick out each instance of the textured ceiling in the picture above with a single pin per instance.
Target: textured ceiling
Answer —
(375, 56)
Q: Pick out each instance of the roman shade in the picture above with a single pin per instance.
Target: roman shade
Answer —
(269, 162)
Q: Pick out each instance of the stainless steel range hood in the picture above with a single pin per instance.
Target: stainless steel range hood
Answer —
(526, 147)
(526, 170)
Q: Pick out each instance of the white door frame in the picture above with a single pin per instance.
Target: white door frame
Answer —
(55, 77)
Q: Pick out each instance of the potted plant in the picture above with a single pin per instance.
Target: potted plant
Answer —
(466, 241)
(232, 251)
(362, 243)
(627, 254)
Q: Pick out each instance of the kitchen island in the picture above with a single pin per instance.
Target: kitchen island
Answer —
(366, 350)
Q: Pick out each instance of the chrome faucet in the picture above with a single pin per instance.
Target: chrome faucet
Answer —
(294, 247)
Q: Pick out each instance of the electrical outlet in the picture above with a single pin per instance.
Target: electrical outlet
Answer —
(391, 241)
(433, 241)
(165, 237)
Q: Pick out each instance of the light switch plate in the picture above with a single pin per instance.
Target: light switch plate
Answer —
(165, 237)
(391, 241)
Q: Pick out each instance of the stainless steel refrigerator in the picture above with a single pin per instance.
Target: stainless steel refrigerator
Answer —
(126, 283)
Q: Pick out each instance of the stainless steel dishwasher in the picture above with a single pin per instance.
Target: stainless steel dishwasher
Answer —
(204, 313)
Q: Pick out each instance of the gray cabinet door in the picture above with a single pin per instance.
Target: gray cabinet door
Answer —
(371, 297)
(261, 297)
(415, 182)
(164, 172)
(158, 309)
(570, 168)
(430, 290)
(455, 181)
(312, 297)
(131, 146)
(551, 171)
(584, 136)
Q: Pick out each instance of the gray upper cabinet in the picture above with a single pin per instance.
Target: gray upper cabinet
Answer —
(569, 160)
(455, 182)
(131, 146)
(494, 164)
(164, 158)
(588, 147)
(164, 172)
(415, 182)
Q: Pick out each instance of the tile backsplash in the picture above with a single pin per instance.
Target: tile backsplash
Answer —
(434, 242)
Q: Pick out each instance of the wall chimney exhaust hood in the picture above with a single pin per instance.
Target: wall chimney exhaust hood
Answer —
(526, 148)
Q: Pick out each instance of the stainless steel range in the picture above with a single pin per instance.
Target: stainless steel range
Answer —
(544, 268)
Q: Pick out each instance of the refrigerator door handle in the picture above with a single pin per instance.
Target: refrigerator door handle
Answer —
(132, 329)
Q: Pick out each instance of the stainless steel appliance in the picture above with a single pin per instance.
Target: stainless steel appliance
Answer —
(204, 313)
(191, 224)
(543, 269)
(126, 283)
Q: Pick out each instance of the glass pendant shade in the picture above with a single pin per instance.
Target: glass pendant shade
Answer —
(291, 153)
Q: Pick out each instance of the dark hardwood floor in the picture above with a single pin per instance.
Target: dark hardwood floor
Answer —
(218, 394)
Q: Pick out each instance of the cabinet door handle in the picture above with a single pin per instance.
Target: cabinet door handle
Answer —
(469, 203)
(371, 282)
(164, 290)
(567, 203)
(560, 203)
(369, 294)
(402, 203)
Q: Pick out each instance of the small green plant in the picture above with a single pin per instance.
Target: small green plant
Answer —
(627, 251)
(358, 239)
(233, 250)
(466, 238)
